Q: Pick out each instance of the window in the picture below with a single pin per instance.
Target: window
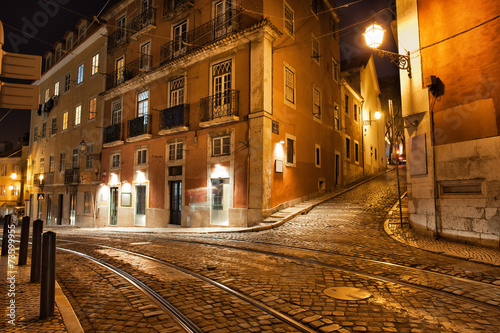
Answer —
(3, 170)
(120, 26)
(355, 113)
(335, 70)
(92, 108)
(2, 190)
(44, 130)
(317, 156)
(333, 28)
(347, 148)
(316, 103)
(75, 161)
(175, 151)
(58, 54)
(177, 92)
(179, 36)
(375, 153)
(69, 43)
(289, 85)
(47, 95)
(315, 6)
(145, 62)
(336, 118)
(142, 156)
(356, 152)
(78, 115)
(116, 110)
(289, 19)
(65, 121)
(346, 109)
(315, 49)
(53, 128)
(62, 161)
(290, 151)
(35, 134)
(67, 82)
(142, 104)
(52, 163)
(120, 69)
(42, 165)
(94, 67)
(48, 62)
(56, 89)
(87, 202)
(79, 78)
(221, 146)
(115, 161)
(89, 159)
(81, 35)
(221, 83)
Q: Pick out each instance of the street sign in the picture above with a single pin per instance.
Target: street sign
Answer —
(40, 196)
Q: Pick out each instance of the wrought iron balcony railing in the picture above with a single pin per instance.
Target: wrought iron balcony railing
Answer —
(139, 126)
(176, 116)
(211, 31)
(71, 176)
(173, 7)
(220, 105)
(113, 133)
(116, 37)
(129, 71)
(143, 20)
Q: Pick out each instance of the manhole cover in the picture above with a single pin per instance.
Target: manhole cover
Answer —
(347, 293)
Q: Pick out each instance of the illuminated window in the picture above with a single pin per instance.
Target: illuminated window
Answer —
(78, 115)
(94, 69)
(56, 89)
(115, 161)
(65, 121)
(47, 95)
(92, 108)
(79, 78)
(142, 104)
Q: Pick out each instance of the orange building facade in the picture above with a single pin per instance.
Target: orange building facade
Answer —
(217, 113)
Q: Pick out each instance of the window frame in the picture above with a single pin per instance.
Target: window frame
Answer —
(115, 162)
(89, 159)
(287, 69)
(347, 147)
(175, 150)
(67, 82)
(317, 156)
(141, 156)
(143, 104)
(225, 147)
(316, 103)
(346, 105)
(315, 47)
(78, 115)
(79, 73)
(94, 65)
(290, 143)
(56, 88)
(65, 121)
(62, 162)
(288, 22)
(93, 108)
(53, 127)
(356, 152)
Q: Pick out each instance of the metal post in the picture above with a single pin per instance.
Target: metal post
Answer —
(47, 285)
(391, 110)
(36, 250)
(5, 237)
(23, 247)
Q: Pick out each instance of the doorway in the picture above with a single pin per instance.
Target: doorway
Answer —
(140, 205)
(175, 202)
(113, 211)
(60, 209)
(337, 169)
(220, 201)
(49, 209)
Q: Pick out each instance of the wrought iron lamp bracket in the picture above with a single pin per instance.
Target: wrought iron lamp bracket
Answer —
(402, 61)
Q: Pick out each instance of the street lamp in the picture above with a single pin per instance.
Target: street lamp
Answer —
(374, 35)
(377, 116)
(13, 176)
(83, 149)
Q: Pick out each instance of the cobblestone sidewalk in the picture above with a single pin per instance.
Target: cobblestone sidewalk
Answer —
(442, 246)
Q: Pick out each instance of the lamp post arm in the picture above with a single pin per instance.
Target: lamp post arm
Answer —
(400, 60)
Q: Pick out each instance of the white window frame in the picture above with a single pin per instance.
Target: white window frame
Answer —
(78, 115)
(176, 150)
(115, 160)
(53, 126)
(52, 164)
(316, 101)
(116, 113)
(47, 95)
(62, 162)
(223, 143)
(80, 72)
(293, 139)
(94, 67)
(65, 121)
(67, 82)
(288, 23)
(93, 108)
(315, 47)
(56, 88)
(336, 117)
(143, 104)
(89, 159)
(141, 156)
(287, 69)
(176, 91)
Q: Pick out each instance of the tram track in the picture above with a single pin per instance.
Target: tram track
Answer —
(173, 311)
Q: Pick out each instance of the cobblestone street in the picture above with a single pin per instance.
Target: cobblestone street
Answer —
(282, 277)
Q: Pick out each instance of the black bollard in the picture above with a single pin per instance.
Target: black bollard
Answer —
(47, 285)
(36, 250)
(5, 237)
(25, 235)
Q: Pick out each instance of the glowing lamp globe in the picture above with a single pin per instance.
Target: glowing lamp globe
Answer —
(374, 35)
(378, 115)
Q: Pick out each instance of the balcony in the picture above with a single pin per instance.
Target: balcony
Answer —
(139, 128)
(116, 38)
(220, 108)
(129, 71)
(143, 23)
(71, 176)
(174, 119)
(172, 8)
(113, 135)
(205, 34)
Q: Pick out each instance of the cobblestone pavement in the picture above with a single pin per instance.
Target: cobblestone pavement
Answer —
(338, 243)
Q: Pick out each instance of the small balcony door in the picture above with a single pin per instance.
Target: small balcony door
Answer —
(140, 205)
(113, 211)
(145, 63)
(120, 68)
(221, 87)
(175, 202)
(220, 201)
(179, 37)
(223, 16)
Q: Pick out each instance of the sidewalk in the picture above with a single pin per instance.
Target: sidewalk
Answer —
(392, 227)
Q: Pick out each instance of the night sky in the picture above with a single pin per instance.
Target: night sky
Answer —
(47, 24)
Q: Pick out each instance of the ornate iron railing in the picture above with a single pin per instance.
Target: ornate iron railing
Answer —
(116, 37)
(71, 176)
(174, 7)
(129, 71)
(144, 19)
(175, 116)
(223, 104)
(113, 133)
(139, 126)
(211, 31)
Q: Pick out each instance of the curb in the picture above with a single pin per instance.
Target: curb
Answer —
(68, 315)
